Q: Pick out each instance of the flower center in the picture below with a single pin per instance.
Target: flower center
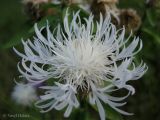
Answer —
(85, 60)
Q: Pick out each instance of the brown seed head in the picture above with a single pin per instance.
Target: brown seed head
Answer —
(108, 1)
(130, 19)
(35, 2)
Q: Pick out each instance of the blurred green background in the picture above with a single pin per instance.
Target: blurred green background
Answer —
(145, 103)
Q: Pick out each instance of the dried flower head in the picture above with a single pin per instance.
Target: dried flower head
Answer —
(82, 60)
(156, 3)
(151, 3)
(24, 94)
(35, 2)
(130, 19)
(106, 8)
(34, 10)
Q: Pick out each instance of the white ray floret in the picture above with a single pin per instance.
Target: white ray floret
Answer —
(83, 57)
(60, 96)
(102, 94)
(123, 74)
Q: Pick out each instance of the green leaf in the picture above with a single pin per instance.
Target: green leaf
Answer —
(153, 34)
(111, 114)
(17, 38)
(151, 17)
(51, 5)
(53, 21)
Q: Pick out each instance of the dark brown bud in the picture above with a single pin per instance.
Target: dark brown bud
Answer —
(130, 19)
(151, 3)
(33, 9)
(33, 12)
(97, 8)
(104, 8)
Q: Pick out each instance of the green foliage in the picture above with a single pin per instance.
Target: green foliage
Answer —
(54, 20)
(16, 39)
(155, 36)
(111, 114)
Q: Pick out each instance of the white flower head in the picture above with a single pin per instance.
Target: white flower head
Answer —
(24, 94)
(83, 59)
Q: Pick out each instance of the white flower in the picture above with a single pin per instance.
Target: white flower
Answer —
(24, 94)
(83, 59)
(59, 96)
